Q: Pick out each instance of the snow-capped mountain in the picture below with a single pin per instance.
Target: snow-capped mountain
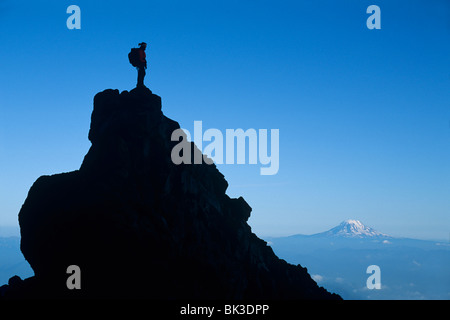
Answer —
(353, 229)
(338, 260)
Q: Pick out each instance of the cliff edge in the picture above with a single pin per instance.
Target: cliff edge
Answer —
(139, 226)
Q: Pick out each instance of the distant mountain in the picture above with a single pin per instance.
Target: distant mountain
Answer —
(351, 228)
(338, 259)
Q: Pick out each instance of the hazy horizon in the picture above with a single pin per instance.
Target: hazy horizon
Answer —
(14, 231)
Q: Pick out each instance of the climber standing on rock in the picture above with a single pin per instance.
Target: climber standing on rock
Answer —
(137, 59)
(142, 64)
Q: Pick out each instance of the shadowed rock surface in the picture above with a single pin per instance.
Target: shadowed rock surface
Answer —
(139, 226)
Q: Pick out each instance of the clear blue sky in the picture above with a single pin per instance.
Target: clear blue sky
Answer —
(364, 115)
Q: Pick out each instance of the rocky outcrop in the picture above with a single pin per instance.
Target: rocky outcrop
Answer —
(139, 225)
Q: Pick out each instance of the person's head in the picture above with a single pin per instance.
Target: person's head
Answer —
(142, 45)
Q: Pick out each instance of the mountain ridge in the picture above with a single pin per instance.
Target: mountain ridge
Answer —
(338, 239)
(347, 229)
(352, 228)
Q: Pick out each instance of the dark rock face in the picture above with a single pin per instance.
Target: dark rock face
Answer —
(138, 225)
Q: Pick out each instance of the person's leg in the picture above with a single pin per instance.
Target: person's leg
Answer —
(141, 75)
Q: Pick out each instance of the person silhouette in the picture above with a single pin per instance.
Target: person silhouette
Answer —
(142, 65)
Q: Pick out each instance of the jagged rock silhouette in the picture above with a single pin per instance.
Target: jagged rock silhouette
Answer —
(139, 226)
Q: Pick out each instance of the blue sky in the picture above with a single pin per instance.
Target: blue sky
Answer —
(363, 115)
